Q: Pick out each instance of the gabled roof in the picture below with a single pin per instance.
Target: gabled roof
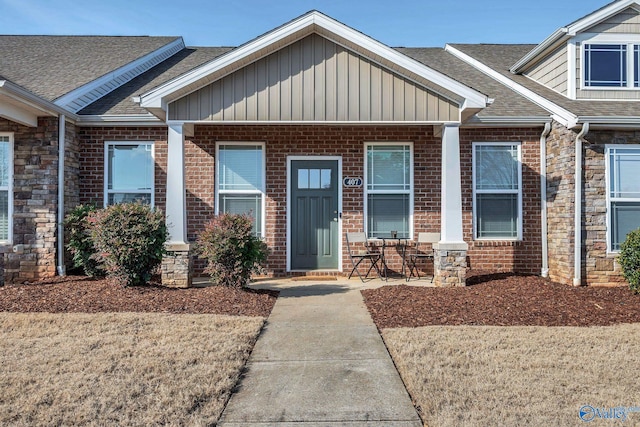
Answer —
(494, 60)
(72, 71)
(563, 34)
(157, 99)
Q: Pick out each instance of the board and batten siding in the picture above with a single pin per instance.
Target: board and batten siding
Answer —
(552, 71)
(625, 22)
(314, 79)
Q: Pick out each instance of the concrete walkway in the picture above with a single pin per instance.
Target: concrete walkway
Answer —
(320, 362)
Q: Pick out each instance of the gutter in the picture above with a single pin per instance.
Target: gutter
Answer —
(543, 200)
(34, 101)
(577, 223)
(61, 151)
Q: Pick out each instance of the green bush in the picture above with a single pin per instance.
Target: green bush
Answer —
(80, 243)
(129, 239)
(231, 249)
(629, 259)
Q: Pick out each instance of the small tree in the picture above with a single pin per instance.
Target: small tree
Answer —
(129, 239)
(629, 260)
(80, 243)
(231, 249)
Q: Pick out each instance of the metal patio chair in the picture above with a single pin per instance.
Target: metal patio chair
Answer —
(359, 251)
(421, 251)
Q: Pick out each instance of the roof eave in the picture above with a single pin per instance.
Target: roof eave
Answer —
(159, 97)
(558, 37)
(120, 120)
(32, 105)
(610, 122)
(503, 121)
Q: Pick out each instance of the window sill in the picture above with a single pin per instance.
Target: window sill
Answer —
(496, 243)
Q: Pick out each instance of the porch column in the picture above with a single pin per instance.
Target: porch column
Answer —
(177, 262)
(450, 254)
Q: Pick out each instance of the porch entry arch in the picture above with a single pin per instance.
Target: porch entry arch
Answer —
(314, 206)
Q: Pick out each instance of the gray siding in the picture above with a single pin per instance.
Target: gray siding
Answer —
(627, 22)
(552, 71)
(314, 79)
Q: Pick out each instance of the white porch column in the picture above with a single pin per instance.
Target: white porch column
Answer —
(177, 262)
(176, 209)
(450, 254)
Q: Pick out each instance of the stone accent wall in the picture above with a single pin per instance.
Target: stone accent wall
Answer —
(560, 203)
(601, 267)
(177, 267)
(35, 188)
(449, 267)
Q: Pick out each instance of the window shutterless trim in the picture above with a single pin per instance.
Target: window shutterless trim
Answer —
(261, 191)
(107, 191)
(610, 150)
(631, 70)
(499, 191)
(9, 189)
(409, 191)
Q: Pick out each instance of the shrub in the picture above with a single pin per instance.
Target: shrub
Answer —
(129, 239)
(231, 249)
(629, 259)
(80, 243)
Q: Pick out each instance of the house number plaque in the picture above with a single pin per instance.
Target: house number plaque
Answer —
(352, 182)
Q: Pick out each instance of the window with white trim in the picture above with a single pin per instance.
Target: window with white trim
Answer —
(129, 170)
(240, 181)
(623, 192)
(611, 65)
(388, 189)
(6, 187)
(497, 191)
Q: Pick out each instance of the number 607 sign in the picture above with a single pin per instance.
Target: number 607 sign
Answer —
(352, 182)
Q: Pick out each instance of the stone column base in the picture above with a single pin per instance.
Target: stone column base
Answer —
(177, 266)
(450, 264)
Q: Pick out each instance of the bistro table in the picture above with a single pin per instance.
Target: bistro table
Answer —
(383, 242)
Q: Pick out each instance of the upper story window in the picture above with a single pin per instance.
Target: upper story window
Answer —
(388, 189)
(611, 65)
(497, 188)
(129, 169)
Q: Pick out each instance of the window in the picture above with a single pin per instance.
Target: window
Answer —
(129, 173)
(623, 192)
(497, 189)
(388, 189)
(605, 65)
(6, 192)
(240, 181)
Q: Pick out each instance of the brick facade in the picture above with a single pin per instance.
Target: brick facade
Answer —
(347, 142)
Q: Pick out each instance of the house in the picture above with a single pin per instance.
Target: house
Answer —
(521, 156)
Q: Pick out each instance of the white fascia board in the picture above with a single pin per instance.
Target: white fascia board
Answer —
(120, 120)
(550, 41)
(611, 121)
(32, 102)
(156, 97)
(79, 98)
(599, 16)
(560, 114)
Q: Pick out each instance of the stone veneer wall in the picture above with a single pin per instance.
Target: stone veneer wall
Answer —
(601, 267)
(35, 188)
(560, 202)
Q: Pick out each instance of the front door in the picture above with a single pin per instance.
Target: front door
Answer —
(314, 214)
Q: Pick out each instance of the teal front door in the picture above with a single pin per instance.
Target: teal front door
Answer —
(314, 214)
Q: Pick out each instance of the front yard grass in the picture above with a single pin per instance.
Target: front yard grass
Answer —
(490, 375)
(120, 368)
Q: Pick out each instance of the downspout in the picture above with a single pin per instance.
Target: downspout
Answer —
(543, 200)
(61, 152)
(577, 223)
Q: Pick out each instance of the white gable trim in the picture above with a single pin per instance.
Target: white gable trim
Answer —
(79, 98)
(20, 105)
(307, 24)
(564, 33)
(566, 117)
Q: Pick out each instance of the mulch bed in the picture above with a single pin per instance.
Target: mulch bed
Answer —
(502, 300)
(81, 295)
